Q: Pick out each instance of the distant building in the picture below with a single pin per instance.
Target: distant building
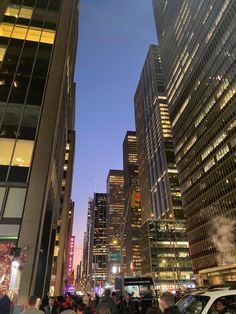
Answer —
(98, 238)
(165, 253)
(87, 248)
(130, 240)
(197, 45)
(115, 218)
(38, 41)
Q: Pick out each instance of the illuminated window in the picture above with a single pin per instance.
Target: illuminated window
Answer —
(29, 33)
(209, 164)
(23, 153)
(19, 32)
(12, 10)
(6, 149)
(6, 29)
(26, 13)
(15, 203)
(48, 36)
(2, 52)
(222, 152)
(34, 34)
(16, 11)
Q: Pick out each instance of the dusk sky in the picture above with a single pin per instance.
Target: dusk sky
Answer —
(114, 37)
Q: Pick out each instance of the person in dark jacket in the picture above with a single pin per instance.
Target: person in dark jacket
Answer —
(51, 308)
(107, 302)
(126, 305)
(5, 304)
(168, 303)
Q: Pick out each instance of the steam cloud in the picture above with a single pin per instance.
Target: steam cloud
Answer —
(224, 240)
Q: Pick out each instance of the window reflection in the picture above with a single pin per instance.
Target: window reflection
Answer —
(11, 121)
(29, 123)
(15, 203)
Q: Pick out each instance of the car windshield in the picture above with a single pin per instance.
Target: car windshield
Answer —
(140, 291)
(192, 304)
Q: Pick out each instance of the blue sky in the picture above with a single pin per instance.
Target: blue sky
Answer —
(114, 37)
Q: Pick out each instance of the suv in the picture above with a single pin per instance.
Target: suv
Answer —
(220, 300)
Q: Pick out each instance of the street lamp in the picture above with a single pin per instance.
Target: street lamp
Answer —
(114, 269)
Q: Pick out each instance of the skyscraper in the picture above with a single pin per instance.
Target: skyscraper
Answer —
(197, 44)
(155, 143)
(165, 253)
(38, 42)
(115, 218)
(130, 161)
(130, 240)
(87, 247)
(99, 252)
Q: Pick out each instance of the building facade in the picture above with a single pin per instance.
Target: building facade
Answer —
(38, 42)
(197, 43)
(155, 143)
(130, 235)
(87, 248)
(165, 253)
(99, 252)
(115, 218)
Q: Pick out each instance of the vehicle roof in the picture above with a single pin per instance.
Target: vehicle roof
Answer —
(216, 292)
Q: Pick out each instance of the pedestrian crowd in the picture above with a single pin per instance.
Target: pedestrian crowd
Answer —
(110, 303)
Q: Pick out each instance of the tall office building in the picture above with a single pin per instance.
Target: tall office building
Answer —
(130, 240)
(99, 252)
(197, 43)
(38, 42)
(155, 143)
(130, 161)
(115, 217)
(165, 253)
(87, 247)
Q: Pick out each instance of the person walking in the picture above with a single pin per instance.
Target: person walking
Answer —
(126, 305)
(51, 307)
(107, 302)
(167, 302)
(31, 307)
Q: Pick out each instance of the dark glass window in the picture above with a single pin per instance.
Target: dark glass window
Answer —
(35, 94)
(18, 174)
(29, 3)
(54, 5)
(11, 121)
(3, 173)
(42, 4)
(29, 123)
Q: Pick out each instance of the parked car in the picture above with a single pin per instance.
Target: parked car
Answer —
(211, 301)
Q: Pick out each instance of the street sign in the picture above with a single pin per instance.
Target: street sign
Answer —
(114, 257)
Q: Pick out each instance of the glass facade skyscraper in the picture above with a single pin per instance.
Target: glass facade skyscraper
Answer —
(115, 219)
(130, 240)
(197, 41)
(165, 253)
(99, 252)
(156, 154)
(38, 40)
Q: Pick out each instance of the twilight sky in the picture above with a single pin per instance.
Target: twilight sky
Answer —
(114, 36)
